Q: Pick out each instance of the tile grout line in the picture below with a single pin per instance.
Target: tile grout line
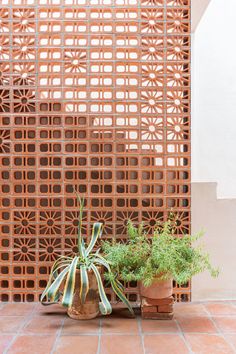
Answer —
(99, 336)
(57, 337)
(141, 334)
(182, 335)
(222, 334)
(24, 322)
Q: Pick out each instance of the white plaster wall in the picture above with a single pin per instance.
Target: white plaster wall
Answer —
(214, 146)
(217, 218)
(214, 98)
(198, 7)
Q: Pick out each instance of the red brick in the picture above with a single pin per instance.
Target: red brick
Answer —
(165, 308)
(148, 309)
(166, 301)
(157, 316)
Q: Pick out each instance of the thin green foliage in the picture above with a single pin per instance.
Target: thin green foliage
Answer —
(164, 255)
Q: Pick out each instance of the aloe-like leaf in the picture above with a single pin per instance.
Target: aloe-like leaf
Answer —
(84, 286)
(53, 289)
(70, 284)
(102, 261)
(121, 295)
(104, 305)
(54, 273)
(97, 232)
(81, 208)
(116, 285)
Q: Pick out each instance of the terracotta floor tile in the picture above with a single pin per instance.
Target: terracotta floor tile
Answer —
(159, 326)
(221, 308)
(165, 344)
(17, 309)
(53, 310)
(32, 344)
(43, 325)
(71, 326)
(77, 345)
(226, 324)
(121, 344)
(119, 325)
(208, 344)
(189, 309)
(10, 324)
(231, 338)
(4, 341)
(197, 324)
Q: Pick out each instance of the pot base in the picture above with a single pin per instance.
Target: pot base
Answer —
(81, 314)
(90, 309)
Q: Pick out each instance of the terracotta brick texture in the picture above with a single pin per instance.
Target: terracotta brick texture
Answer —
(160, 309)
(95, 95)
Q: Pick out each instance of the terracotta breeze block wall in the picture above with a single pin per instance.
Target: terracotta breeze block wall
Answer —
(94, 94)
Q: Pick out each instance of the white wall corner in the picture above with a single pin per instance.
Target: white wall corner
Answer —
(198, 7)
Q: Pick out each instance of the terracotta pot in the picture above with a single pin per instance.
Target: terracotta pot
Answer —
(90, 309)
(159, 289)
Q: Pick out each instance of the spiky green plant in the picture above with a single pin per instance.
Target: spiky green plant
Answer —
(64, 270)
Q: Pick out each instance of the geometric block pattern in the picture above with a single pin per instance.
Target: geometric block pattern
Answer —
(95, 95)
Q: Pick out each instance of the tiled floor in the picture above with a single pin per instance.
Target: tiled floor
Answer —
(208, 328)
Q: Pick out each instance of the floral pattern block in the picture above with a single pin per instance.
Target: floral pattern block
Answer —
(71, 222)
(71, 246)
(50, 223)
(24, 223)
(153, 75)
(23, 20)
(24, 249)
(150, 102)
(177, 128)
(122, 219)
(4, 47)
(150, 18)
(151, 128)
(106, 218)
(4, 21)
(150, 219)
(4, 141)
(25, 74)
(49, 249)
(4, 74)
(23, 47)
(152, 48)
(24, 100)
(75, 61)
(4, 101)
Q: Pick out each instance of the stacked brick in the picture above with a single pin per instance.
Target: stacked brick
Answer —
(157, 309)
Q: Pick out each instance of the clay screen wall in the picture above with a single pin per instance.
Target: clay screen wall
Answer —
(96, 95)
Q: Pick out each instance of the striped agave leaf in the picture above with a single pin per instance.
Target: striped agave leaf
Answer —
(81, 245)
(61, 262)
(116, 288)
(64, 269)
(84, 283)
(116, 285)
(104, 305)
(70, 283)
(53, 289)
(97, 232)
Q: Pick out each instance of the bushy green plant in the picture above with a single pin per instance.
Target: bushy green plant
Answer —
(164, 255)
(64, 269)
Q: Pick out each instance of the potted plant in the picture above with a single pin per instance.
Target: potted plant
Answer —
(155, 262)
(78, 279)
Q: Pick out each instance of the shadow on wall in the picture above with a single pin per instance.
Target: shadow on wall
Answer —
(218, 219)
